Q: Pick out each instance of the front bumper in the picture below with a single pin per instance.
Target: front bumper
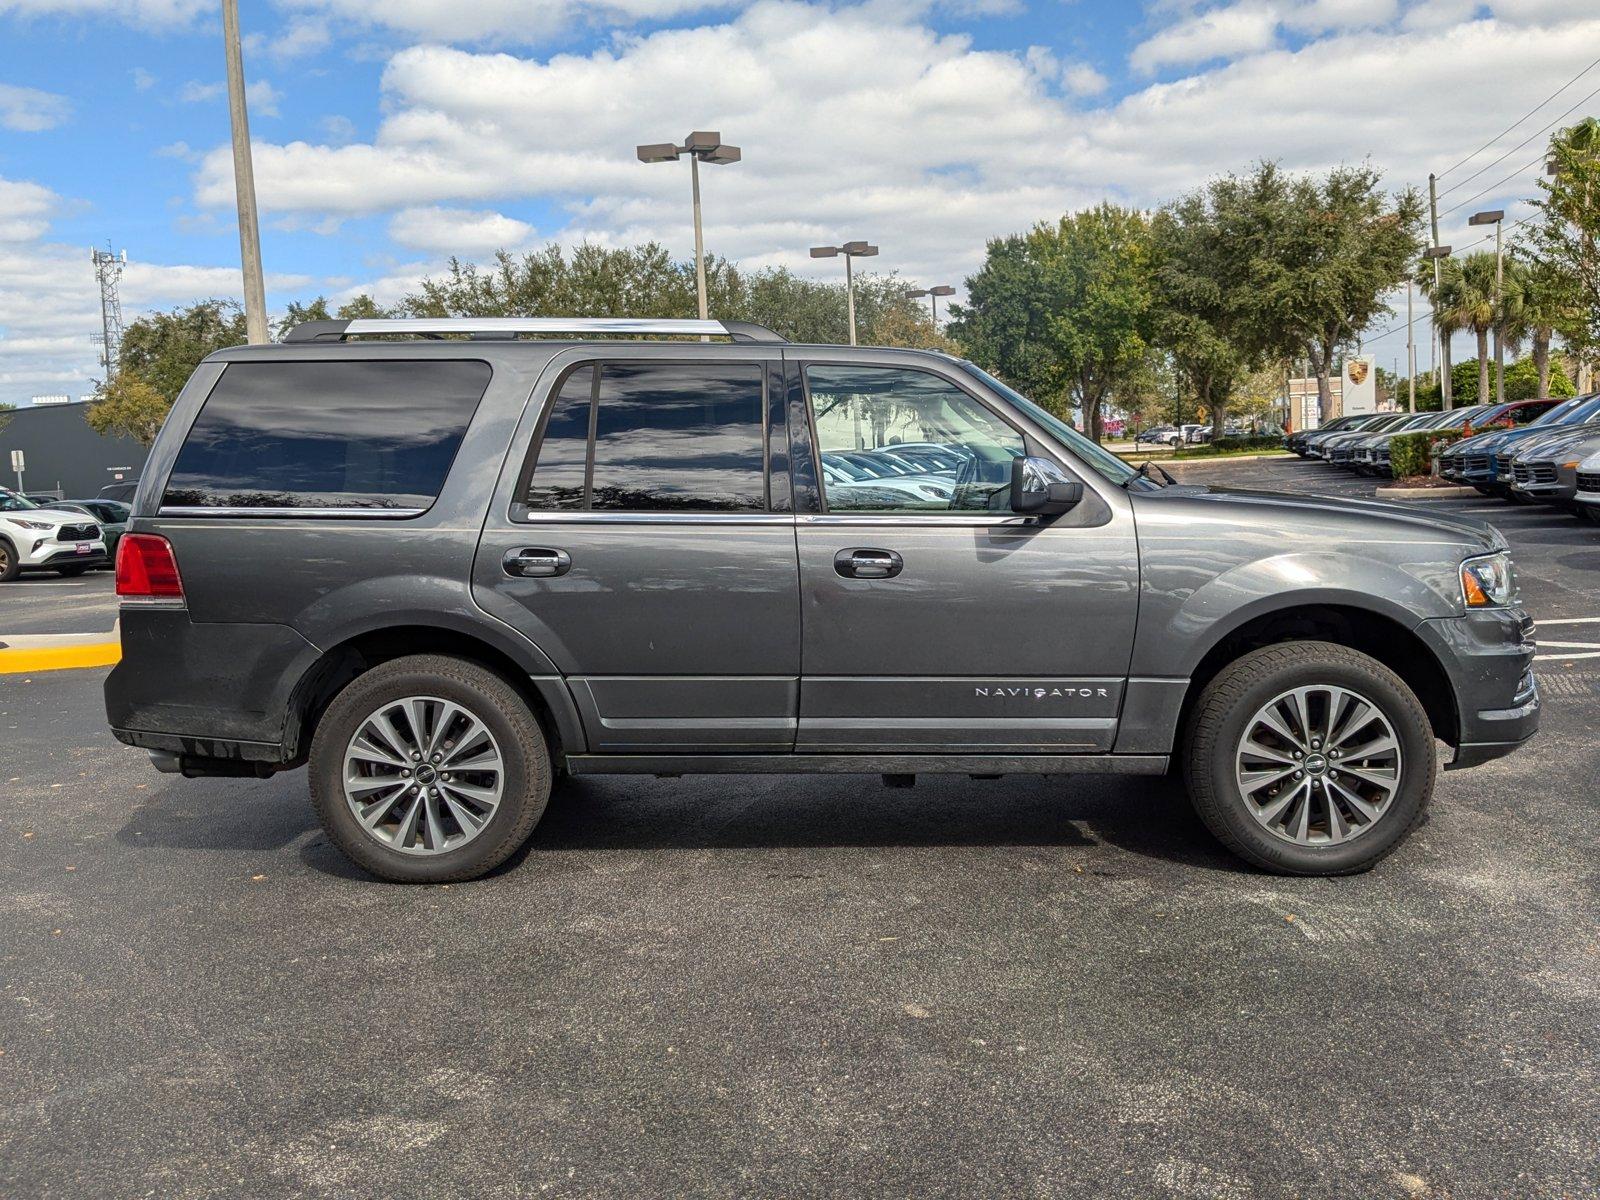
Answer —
(1488, 657)
(45, 551)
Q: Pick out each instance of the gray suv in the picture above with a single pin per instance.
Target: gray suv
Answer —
(441, 563)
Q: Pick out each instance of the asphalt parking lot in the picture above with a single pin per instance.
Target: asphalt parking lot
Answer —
(764, 986)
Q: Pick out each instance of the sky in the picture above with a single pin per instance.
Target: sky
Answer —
(389, 136)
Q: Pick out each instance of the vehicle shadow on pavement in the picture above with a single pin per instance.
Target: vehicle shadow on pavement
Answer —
(249, 815)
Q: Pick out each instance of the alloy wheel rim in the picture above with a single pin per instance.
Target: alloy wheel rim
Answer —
(423, 775)
(1318, 765)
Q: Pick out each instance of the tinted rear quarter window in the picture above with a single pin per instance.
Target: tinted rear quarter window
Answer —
(330, 435)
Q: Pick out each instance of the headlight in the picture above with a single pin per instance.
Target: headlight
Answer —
(1487, 582)
(30, 524)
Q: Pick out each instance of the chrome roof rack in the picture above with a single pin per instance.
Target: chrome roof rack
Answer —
(512, 327)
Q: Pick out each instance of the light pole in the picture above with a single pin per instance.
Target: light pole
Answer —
(850, 250)
(1441, 355)
(933, 294)
(1411, 355)
(700, 146)
(1496, 217)
(244, 181)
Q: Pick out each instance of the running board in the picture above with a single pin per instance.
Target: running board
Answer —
(867, 764)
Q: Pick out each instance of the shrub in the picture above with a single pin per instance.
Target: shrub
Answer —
(1411, 454)
(1266, 441)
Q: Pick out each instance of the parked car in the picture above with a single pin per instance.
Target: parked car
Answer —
(1298, 439)
(1545, 469)
(1381, 449)
(1475, 460)
(1164, 435)
(1587, 477)
(1342, 425)
(110, 515)
(35, 538)
(121, 491)
(1337, 448)
(389, 563)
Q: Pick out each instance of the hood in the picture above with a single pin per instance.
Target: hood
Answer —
(1557, 441)
(55, 518)
(1284, 509)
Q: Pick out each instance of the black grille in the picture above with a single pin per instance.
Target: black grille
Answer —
(1543, 472)
(1520, 472)
(1474, 462)
(77, 533)
(1589, 481)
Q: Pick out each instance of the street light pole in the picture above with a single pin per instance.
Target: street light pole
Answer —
(1411, 355)
(1496, 217)
(849, 251)
(244, 181)
(700, 146)
(1440, 343)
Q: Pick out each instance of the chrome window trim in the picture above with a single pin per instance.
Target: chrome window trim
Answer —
(575, 517)
(363, 514)
(956, 520)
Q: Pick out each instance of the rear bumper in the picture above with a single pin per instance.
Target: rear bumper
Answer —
(207, 691)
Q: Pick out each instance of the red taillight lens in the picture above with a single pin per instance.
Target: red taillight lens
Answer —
(146, 568)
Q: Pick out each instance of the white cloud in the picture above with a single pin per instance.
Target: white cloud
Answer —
(338, 129)
(457, 230)
(261, 96)
(1083, 80)
(1243, 28)
(143, 80)
(29, 110)
(304, 36)
(25, 210)
(1321, 16)
(154, 14)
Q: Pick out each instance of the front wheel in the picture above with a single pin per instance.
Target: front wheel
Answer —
(10, 564)
(1309, 758)
(429, 769)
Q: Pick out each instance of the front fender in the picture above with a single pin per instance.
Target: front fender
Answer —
(1178, 627)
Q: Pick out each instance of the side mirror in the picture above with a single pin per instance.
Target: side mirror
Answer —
(1041, 488)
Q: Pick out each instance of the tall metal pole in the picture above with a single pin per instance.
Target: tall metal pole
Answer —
(244, 181)
(850, 295)
(1411, 356)
(933, 302)
(1499, 321)
(699, 238)
(1443, 379)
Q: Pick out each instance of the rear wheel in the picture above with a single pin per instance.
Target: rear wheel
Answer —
(429, 769)
(1309, 758)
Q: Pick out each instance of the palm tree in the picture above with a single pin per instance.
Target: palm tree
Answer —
(1441, 299)
(1469, 303)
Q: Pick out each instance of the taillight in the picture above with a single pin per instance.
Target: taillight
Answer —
(146, 569)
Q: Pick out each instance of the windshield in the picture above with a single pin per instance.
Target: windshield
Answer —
(1586, 410)
(11, 502)
(1105, 463)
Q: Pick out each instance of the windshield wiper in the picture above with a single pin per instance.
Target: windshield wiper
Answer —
(1144, 472)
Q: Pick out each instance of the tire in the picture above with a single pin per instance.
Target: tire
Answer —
(512, 737)
(10, 564)
(70, 572)
(1230, 706)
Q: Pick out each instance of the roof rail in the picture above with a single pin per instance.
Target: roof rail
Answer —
(511, 327)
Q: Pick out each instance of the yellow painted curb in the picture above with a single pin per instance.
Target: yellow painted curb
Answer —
(60, 658)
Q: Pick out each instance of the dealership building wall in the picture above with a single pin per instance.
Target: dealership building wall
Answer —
(63, 454)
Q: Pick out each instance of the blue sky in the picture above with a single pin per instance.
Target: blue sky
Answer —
(388, 136)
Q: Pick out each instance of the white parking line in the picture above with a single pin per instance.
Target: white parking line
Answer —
(1565, 650)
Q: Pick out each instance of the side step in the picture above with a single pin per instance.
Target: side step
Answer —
(867, 764)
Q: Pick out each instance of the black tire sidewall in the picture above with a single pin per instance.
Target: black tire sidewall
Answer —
(492, 700)
(10, 563)
(1251, 683)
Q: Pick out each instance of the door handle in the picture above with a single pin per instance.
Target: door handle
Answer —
(533, 562)
(867, 564)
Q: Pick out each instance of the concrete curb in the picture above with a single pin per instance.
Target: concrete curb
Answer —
(29, 652)
(1442, 493)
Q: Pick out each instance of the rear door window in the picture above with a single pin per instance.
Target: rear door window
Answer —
(646, 436)
(363, 435)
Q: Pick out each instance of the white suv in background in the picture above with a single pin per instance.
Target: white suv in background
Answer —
(45, 539)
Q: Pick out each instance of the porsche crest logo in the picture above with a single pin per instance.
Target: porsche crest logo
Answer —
(1357, 369)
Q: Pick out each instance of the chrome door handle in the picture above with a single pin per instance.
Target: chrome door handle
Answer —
(867, 564)
(535, 562)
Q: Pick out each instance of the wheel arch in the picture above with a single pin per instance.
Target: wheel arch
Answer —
(1375, 633)
(546, 694)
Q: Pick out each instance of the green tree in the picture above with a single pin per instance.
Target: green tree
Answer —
(1312, 258)
(1564, 237)
(1536, 302)
(163, 349)
(1003, 326)
(1472, 305)
(1199, 309)
(128, 407)
(1066, 311)
(299, 314)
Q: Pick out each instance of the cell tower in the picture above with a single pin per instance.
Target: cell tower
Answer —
(108, 270)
